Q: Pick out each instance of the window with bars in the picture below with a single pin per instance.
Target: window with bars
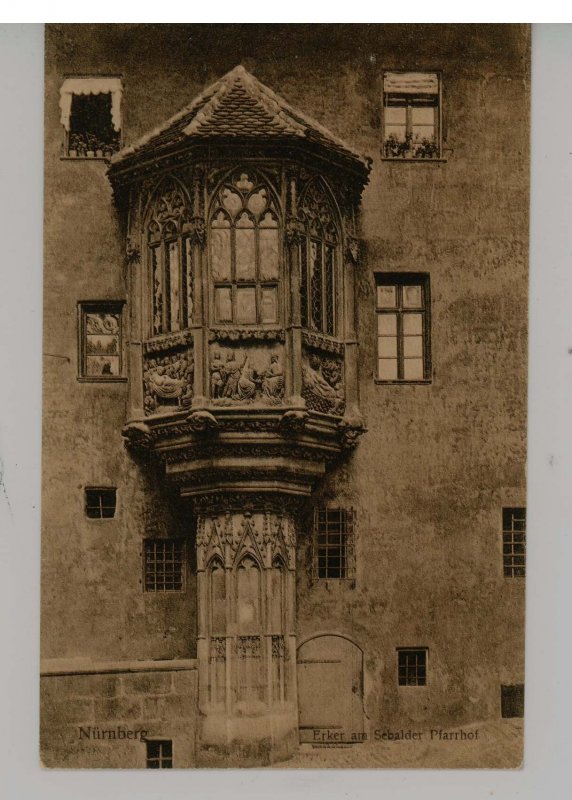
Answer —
(159, 753)
(164, 566)
(245, 252)
(334, 543)
(412, 666)
(403, 327)
(411, 115)
(514, 542)
(100, 503)
(100, 346)
(512, 700)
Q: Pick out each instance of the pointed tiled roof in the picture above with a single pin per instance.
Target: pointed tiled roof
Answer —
(237, 106)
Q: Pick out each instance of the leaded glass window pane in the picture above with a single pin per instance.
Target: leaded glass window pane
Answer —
(246, 304)
(244, 248)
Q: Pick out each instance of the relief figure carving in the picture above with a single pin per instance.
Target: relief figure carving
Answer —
(242, 377)
(323, 388)
(168, 382)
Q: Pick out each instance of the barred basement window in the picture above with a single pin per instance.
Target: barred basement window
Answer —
(412, 666)
(514, 542)
(100, 341)
(100, 503)
(164, 565)
(411, 115)
(512, 700)
(334, 543)
(91, 116)
(403, 327)
(159, 754)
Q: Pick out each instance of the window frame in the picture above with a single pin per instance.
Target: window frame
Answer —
(160, 758)
(439, 116)
(400, 279)
(85, 307)
(347, 544)
(234, 283)
(183, 565)
(401, 651)
(115, 88)
(510, 569)
(101, 518)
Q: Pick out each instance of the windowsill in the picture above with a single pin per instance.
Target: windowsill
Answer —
(98, 379)
(399, 160)
(403, 383)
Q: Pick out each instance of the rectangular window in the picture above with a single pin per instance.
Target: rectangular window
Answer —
(91, 116)
(412, 666)
(403, 327)
(164, 565)
(411, 115)
(100, 341)
(334, 543)
(159, 753)
(514, 542)
(512, 700)
(100, 503)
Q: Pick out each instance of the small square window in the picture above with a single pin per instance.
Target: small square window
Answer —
(100, 503)
(514, 542)
(412, 666)
(91, 116)
(334, 543)
(403, 327)
(159, 753)
(512, 700)
(163, 565)
(100, 345)
(411, 115)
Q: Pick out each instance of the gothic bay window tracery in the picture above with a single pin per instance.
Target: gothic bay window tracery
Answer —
(170, 261)
(318, 260)
(245, 253)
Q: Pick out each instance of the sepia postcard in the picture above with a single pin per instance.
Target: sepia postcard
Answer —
(284, 399)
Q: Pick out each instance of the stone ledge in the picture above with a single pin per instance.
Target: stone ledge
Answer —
(84, 666)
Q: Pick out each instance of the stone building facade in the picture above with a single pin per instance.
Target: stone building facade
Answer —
(285, 387)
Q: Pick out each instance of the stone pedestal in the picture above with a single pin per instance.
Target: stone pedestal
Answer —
(246, 637)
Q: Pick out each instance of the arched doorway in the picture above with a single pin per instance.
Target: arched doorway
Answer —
(330, 690)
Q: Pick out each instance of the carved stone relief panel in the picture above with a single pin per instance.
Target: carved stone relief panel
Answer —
(168, 380)
(246, 373)
(322, 382)
(230, 536)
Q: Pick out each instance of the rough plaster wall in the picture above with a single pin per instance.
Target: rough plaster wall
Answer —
(429, 478)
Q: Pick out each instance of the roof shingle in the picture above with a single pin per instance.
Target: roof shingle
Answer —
(237, 105)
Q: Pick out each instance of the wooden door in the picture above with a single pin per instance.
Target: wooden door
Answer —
(330, 690)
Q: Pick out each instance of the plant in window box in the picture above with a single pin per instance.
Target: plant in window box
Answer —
(394, 148)
(427, 149)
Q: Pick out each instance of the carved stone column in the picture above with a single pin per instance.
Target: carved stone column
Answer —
(247, 643)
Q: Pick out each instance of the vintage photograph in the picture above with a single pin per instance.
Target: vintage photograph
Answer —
(284, 395)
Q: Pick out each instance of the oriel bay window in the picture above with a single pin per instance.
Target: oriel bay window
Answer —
(318, 258)
(170, 261)
(402, 318)
(245, 253)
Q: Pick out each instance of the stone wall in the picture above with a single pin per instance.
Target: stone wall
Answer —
(96, 719)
